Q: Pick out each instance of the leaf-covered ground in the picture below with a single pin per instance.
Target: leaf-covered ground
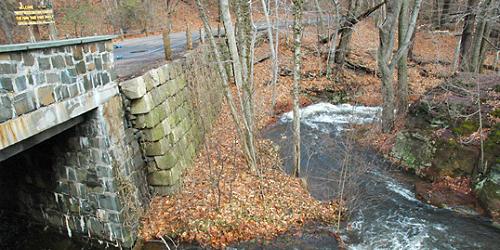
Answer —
(222, 202)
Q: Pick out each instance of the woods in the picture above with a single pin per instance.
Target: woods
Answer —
(313, 106)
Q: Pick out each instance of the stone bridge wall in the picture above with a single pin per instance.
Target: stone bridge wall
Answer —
(171, 108)
(84, 173)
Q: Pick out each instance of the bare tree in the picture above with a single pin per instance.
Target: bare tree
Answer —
(346, 32)
(223, 74)
(467, 35)
(241, 79)
(402, 106)
(297, 60)
(387, 60)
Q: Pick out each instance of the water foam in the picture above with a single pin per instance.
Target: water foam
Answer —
(320, 114)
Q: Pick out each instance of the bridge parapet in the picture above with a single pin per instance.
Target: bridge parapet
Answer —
(45, 84)
(84, 173)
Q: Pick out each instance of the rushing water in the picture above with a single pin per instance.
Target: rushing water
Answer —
(385, 213)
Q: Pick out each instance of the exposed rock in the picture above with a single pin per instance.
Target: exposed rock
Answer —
(415, 150)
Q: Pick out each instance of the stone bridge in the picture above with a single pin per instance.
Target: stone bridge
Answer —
(82, 151)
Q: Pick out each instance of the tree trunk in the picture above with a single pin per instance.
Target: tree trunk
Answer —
(484, 47)
(274, 65)
(333, 43)
(479, 34)
(346, 34)
(167, 48)
(435, 14)
(386, 61)
(445, 12)
(245, 101)
(224, 76)
(466, 40)
(297, 59)
(403, 62)
(386, 44)
(276, 49)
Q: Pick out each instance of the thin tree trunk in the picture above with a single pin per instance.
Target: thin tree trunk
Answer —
(274, 65)
(276, 49)
(403, 62)
(297, 58)
(445, 12)
(484, 47)
(435, 14)
(387, 61)
(224, 76)
(456, 56)
(346, 34)
(239, 79)
(478, 37)
(330, 61)
(466, 40)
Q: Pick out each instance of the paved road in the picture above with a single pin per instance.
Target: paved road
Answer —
(135, 56)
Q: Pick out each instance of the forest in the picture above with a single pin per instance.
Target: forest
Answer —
(370, 124)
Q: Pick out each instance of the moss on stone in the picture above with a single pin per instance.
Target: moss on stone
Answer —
(496, 113)
(465, 128)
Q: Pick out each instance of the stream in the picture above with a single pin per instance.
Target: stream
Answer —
(384, 211)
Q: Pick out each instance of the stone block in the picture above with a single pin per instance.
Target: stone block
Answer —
(53, 77)
(143, 105)
(91, 66)
(69, 60)
(164, 177)
(4, 57)
(166, 190)
(134, 88)
(164, 73)
(98, 63)
(108, 46)
(157, 148)
(44, 63)
(109, 201)
(151, 119)
(28, 59)
(45, 95)
(66, 78)
(151, 79)
(78, 52)
(73, 90)
(8, 68)
(105, 78)
(5, 108)
(58, 62)
(24, 103)
(171, 87)
(6, 84)
(166, 161)
(20, 83)
(154, 134)
(81, 68)
(61, 92)
(87, 83)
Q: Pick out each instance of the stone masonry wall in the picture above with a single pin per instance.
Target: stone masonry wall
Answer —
(171, 108)
(94, 175)
(89, 182)
(32, 79)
